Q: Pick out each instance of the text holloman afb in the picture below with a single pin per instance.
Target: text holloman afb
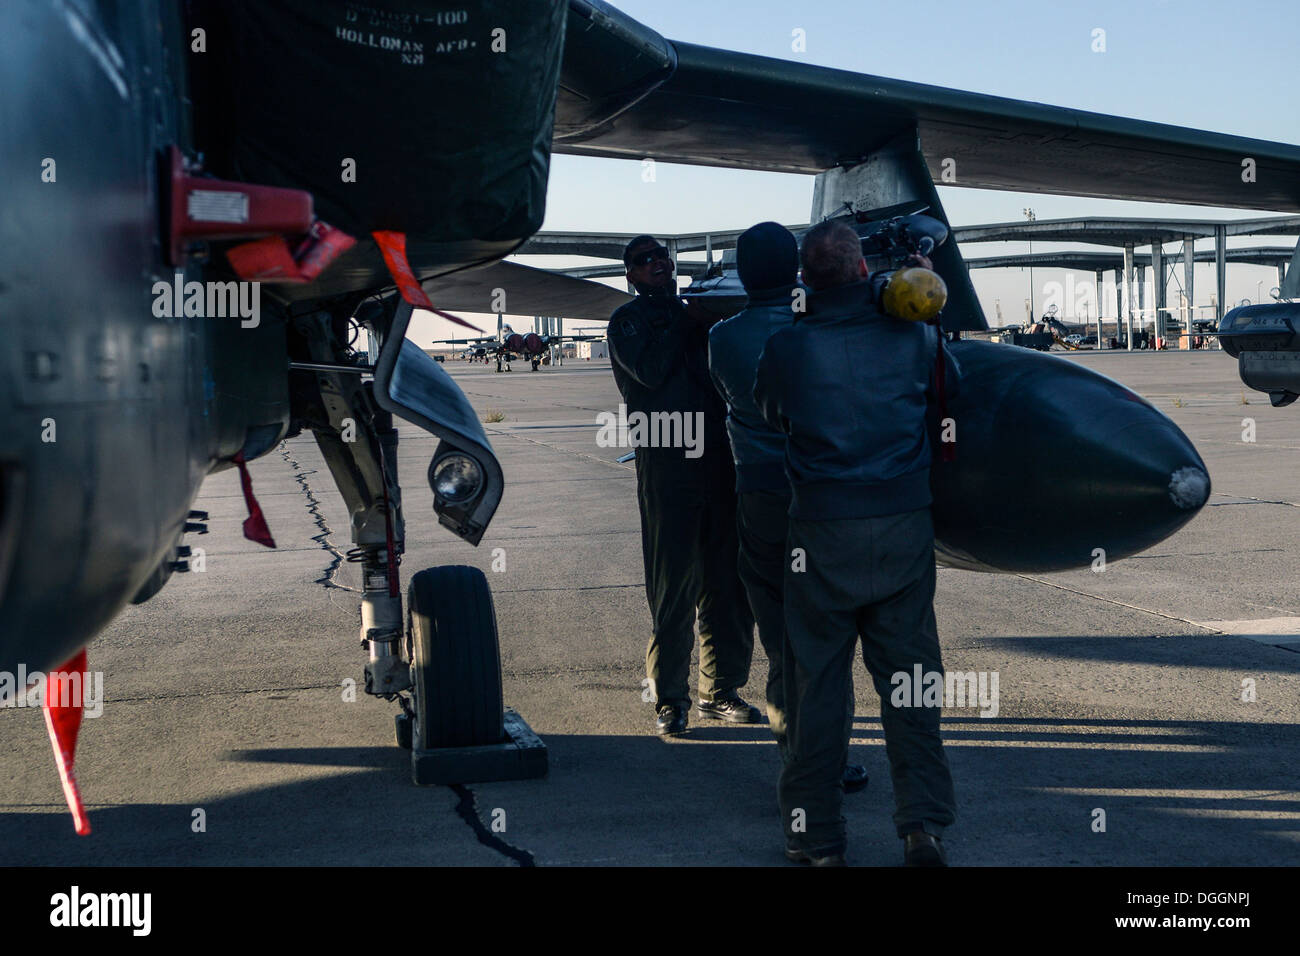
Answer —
(208, 300)
(74, 908)
(76, 687)
(652, 430)
(954, 689)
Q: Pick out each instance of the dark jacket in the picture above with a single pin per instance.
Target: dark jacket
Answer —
(734, 348)
(660, 358)
(849, 386)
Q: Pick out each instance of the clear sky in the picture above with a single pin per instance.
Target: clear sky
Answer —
(1223, 67)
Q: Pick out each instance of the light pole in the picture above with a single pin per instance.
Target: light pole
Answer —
(1029, 214)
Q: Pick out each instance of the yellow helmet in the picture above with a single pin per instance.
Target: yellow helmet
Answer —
(915, 294)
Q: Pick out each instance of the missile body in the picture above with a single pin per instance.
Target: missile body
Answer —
(1055, 467)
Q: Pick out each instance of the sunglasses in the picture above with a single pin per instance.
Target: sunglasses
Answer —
(645, 258)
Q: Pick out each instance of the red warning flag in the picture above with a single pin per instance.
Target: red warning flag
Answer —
(265, 260)
(323, 245)
(255, 527)
(393, 246)
(269, 259)
(64, 699)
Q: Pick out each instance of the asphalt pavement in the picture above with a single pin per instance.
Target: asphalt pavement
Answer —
(1147, 715)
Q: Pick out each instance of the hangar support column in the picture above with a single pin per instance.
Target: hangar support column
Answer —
(1100, 299)
(1142, 298)
(1119, 301)
(1126, 308)
(1189, 274)
(1158, 277)
(1220, 268)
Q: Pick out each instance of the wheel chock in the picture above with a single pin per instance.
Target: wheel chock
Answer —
(521, 756)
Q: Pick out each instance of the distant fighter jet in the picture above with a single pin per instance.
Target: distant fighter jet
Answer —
(507, 344)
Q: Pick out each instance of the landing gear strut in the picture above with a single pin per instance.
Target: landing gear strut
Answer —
(440, 661)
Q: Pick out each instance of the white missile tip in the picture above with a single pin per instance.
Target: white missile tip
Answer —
(1189, 487)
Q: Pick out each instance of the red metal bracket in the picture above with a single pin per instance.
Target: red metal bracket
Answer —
(203, 208)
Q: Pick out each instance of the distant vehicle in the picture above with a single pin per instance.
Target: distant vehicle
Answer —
(1059, 332)
(440, 358)
(1038, 341)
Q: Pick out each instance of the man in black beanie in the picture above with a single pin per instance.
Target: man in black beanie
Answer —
(686, 497)
(767, 259)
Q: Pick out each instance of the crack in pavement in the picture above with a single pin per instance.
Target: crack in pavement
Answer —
(1253, 500)
(1106, 600)
(187, 695)
(576, 587)
(327, 579)
(625, 466)
(467, 807)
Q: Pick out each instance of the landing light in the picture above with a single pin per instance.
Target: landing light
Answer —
(457, 477)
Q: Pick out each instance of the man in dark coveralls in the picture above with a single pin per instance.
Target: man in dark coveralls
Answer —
(767, 261)
(849, 386)
(687, 500)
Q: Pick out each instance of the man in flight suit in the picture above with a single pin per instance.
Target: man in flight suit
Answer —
(687, 500)
(767, 261)
(849, 386)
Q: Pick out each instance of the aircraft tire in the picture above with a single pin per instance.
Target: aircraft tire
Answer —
(455, 659)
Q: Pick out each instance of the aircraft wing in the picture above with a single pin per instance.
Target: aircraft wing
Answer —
(627, 92)
(527, 291)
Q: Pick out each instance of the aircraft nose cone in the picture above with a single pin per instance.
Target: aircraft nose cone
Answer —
(1132, 460)
(1057, 466)
(1189, 487)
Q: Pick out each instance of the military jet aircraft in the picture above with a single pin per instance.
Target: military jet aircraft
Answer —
(208, 202)
(1265, 339)
(507, 344)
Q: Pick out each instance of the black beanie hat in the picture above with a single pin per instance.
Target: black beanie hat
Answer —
(767, 257)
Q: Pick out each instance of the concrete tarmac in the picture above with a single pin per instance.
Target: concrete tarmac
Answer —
(1147, 715)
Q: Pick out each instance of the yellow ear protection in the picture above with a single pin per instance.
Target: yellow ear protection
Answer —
(915, 294)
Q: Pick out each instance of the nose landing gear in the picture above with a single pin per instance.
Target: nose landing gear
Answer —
(440, 660)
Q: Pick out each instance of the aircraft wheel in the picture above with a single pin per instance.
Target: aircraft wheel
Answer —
(455, 659)
(402, 724)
